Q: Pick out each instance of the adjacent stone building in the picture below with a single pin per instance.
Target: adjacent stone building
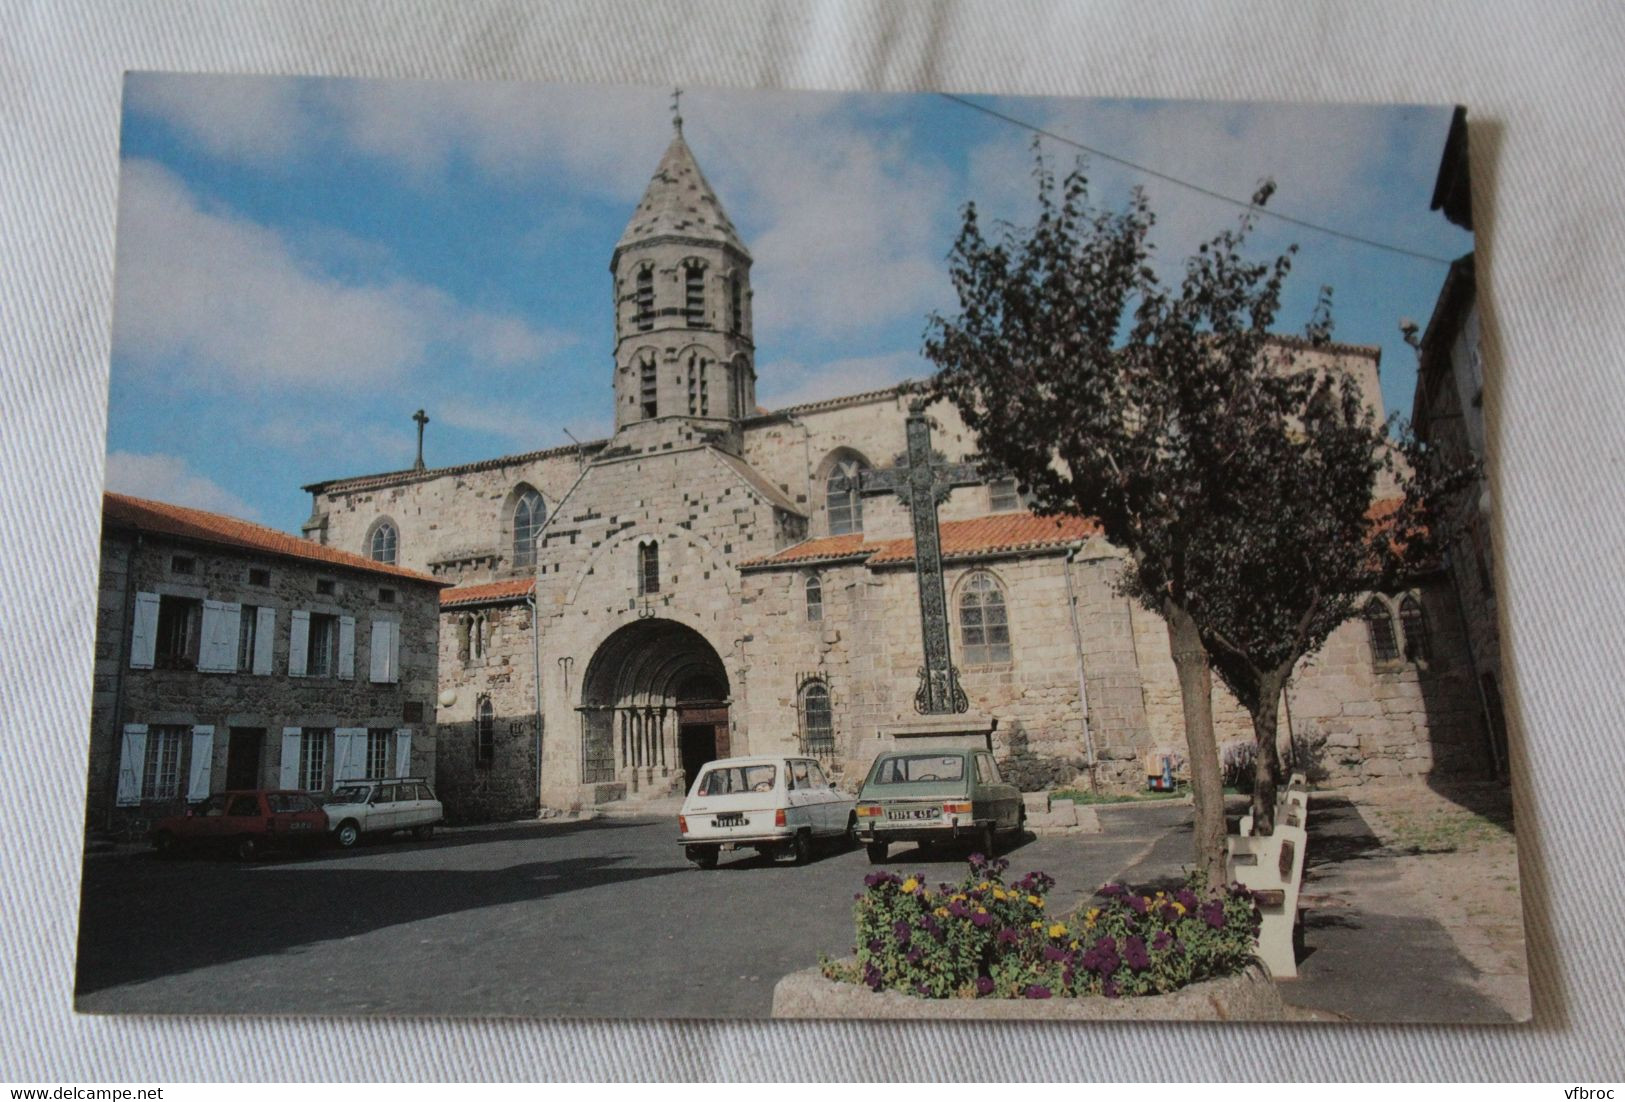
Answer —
(230, 655)
(711, 580)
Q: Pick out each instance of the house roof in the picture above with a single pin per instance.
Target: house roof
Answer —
(162, 518)
(996, 534)
(487, 592)
(758, 482)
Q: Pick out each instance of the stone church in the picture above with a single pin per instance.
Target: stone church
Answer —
(717, 579)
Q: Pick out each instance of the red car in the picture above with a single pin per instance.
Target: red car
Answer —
(244, 823)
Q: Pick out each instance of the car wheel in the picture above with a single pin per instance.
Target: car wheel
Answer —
(801, 848)
(164, 844)
(987, 839)
(877, 852)
(703, 856)
(348, 834)
(248, 848)
(849, 837)
(1021, 825)
(423, 833)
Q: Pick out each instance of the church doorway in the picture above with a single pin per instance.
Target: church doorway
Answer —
(654, 708)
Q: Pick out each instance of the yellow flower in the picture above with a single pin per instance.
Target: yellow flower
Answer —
(982, 887)
(910, 884)
(1036, 901)
(941, 912)
(999, 893)
(1037, 925)
(1094, 913)
(1057, 930)
(1178, 906)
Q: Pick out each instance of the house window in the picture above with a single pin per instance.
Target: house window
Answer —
(485, 733)
(321, 645)
(471, 637)
(183, 564)
(647, 388)
(386, 596)
(383, 544)
(259, 576)
(1004, 496)
(648, 568)
(694, 294)
(177, 639)
(841, 498)
(326, 587)
(529, 513)
(1413, 625)
(983, 626)
(161, 772)
(313, 754)
(247, 629)
(378, 752)
(1379, 625)
(815, 599)
(644, 302)
(817, 721)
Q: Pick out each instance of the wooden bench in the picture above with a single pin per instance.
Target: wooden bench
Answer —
(1272, 867)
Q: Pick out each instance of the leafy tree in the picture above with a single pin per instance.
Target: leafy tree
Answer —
(1239, 483)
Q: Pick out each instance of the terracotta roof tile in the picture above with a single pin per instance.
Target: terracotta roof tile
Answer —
(995, 534)
(162, 518)
(506, 590)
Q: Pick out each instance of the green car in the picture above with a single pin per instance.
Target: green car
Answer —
(930, 795)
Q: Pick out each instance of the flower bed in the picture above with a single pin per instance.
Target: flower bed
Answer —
(984, 938)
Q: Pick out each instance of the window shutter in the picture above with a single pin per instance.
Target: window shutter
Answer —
(144, 634)
(403, 751)
(197, 783)
(217, 652)
(298, 642)
(385, 651)
(132, 760)
(347, 647)
(264, 640)
(349, 754)
(394, 651)
(289, 777)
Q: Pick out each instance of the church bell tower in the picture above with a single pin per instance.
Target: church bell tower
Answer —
(684, 358)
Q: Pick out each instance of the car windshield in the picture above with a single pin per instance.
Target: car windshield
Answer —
(350, 794)
(739, 778)
(288, 802)
(910, 768)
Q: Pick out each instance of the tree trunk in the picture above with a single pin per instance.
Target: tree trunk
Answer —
(1267, 767)
(1196, 695)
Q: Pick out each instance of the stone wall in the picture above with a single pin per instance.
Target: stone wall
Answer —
(502, 670)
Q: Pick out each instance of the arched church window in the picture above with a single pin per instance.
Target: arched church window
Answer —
(736, 305)
(699, 385)
(694, 294)
(485, 732)
(528, 514)
(817, 720)
(841, 498)
(648, 391)
(815, 599)
(648, 568)
(1379, 625)
(643, 302)
(384, 543)
(984, 627)
(739, 387)
(1414, 626)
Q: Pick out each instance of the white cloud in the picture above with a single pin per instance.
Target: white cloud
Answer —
(787, 383)
(168, 478)
(243, 118)
(199, 287)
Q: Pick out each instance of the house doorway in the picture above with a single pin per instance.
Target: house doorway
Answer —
(243, 757)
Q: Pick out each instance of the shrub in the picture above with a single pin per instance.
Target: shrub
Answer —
(1306, 754)
(984, 938)
(1238, 763)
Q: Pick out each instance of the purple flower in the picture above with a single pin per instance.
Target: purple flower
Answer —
(1052, 954)
(1186, 898)
(1170, 913)
(872, 977)
(1111, 990)
(913, 956)
(981, 919)
(1162, 940)
(1008, 936)
(1134, 954)
(1112, 891)
(922, 989)
(958, 909)
(1213, 914)
(984, 985)
(1036, 991)
(876, 945)
(1136, 903)
(977, 861)
(902, 932)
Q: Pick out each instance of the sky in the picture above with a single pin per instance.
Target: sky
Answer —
(303, 263)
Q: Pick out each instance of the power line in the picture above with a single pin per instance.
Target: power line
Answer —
(1198, 188)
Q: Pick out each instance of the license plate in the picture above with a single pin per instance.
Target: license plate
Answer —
(915, 813)
(733, 819)
(298, 826)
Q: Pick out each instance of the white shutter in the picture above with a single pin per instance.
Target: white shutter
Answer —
(385, 650)
(289, 777)
(264, 640)
(347, 647)
(144, 633)
(403, 751)
(349, 754)
(298, 642)
(217, 650)
(394, 651)
(197, 783)
(132, 760)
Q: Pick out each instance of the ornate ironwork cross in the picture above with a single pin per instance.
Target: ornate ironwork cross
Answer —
(923, 485)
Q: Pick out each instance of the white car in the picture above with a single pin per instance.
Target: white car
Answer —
(382, 806)
(775, 805)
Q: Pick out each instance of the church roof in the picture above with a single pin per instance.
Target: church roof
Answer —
(162, 518)
(487, 592)
(679, 203)
(997, 534)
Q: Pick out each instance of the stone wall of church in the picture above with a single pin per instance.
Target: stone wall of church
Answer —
(486, 654)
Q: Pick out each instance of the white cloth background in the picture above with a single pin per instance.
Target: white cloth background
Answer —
(1545, 83)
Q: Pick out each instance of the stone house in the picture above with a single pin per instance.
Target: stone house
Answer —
(230, 655)
(709, 580)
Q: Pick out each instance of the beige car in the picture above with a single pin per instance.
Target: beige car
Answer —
(382, 806)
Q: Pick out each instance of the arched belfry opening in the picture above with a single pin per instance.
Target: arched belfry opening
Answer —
(654, 707)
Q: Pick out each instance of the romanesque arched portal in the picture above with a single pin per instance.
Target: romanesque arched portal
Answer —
(654, 707)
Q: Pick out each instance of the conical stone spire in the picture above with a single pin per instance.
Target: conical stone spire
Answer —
(679, 203)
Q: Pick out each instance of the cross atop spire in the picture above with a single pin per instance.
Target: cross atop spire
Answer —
(677, 111)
